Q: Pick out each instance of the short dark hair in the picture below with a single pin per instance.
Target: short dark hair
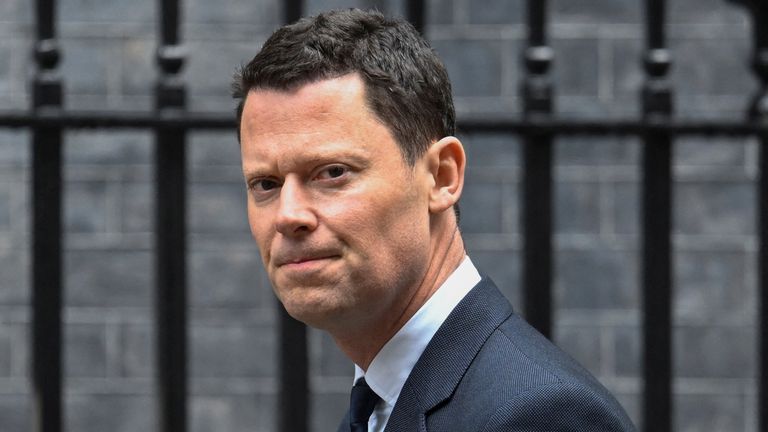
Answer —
(406, 84)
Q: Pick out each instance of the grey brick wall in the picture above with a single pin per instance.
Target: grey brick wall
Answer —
(108, 64)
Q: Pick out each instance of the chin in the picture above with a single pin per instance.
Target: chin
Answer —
(320, 314)
(325, 322)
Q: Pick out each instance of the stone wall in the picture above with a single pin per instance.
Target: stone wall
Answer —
(108, 64)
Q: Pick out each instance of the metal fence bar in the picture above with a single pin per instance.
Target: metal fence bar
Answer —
(763, 274)
(293, 364)
(417, 14)
(487, 124)
(758, 112)
(537, 175)
(170, 227)
(292, 10)
(46, 230)
(657, 226)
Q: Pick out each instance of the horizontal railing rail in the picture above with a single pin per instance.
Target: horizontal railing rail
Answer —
(558, 125)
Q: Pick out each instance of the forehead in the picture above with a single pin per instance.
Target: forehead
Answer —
(321, 116)
(337, 97)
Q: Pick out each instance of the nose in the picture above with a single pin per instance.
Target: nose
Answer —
(295, 215)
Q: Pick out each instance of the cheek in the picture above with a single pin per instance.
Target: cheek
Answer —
(399, 255)
(259, 229)
(385, 225)
(253, 221)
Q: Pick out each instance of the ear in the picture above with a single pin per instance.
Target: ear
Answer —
(447, 162)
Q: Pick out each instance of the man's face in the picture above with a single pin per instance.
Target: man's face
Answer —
(341, 221)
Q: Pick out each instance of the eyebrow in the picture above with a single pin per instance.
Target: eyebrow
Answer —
(315, 157)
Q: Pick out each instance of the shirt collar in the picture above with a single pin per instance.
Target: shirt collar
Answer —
(390, 368)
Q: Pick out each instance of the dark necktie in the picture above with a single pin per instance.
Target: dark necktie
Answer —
(361, 405)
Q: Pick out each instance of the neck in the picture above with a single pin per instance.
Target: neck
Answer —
(362, 344)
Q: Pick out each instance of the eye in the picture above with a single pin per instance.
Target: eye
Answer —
(264, 185)
(332, 172)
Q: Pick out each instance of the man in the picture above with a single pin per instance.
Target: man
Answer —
(346, 126)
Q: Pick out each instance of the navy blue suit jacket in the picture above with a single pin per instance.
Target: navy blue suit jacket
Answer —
(487, 370)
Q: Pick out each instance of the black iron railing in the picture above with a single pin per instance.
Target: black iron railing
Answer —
(46, 229)
(657, 226)
(538, 126)
(170, 227)
(537, 174)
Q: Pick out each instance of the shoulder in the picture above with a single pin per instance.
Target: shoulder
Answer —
(560, 406)
(519, 379)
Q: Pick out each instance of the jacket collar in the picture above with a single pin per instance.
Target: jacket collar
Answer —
(447, 357)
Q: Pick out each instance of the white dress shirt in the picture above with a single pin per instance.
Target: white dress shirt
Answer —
(390, 368)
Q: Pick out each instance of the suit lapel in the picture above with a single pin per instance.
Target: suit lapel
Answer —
(448, 355)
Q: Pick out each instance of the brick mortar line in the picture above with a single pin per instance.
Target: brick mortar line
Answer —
(616, 242)
(629, 318)
(200, 316)
(575, 31)
(688, 386)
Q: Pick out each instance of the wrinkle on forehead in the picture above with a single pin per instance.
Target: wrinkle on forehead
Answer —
(307, 123)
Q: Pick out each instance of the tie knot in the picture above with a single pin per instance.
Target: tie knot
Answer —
(362, 403)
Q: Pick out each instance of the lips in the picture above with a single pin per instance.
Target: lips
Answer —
(282, 259)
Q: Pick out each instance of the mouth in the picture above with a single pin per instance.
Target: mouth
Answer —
(303, 260)
(306, 260)
(301, 268)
